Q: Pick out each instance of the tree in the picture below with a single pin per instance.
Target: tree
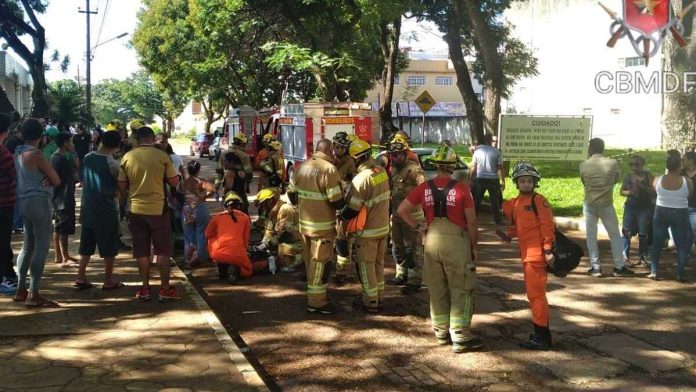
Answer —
(474, 28)
(12, 27)
(679, 110)
(67, 105)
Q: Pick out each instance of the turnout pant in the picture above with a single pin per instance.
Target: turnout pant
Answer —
(451, 279)
(369, 253)
(318, 253)
(407, 244)
(535, 277)
(343, 267)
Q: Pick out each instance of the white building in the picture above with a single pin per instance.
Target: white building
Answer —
(193, 117)
(16, 81)
(569, 39)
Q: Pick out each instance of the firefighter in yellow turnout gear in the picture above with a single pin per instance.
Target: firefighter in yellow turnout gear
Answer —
(367, 222)
(319, 192)
(273, 167)
(450, 250)
(407, 244)
(346, 171)
(281, 235)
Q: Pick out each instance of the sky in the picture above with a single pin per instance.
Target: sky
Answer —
(66, 32)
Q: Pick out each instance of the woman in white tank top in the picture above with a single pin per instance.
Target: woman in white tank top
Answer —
(671, 212)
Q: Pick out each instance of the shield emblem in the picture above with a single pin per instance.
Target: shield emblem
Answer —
(647, 16)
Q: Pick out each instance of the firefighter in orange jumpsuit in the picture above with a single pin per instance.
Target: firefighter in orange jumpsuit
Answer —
(532, 223)
(228, 238)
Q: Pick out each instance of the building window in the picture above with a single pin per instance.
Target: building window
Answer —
(416, 80)
(633, 61)
(444, 80)
(397, 79)
(196, 108)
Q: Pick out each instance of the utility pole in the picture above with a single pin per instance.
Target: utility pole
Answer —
(88, 61)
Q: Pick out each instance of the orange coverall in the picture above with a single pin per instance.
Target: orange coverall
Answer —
(535, 234)
(228, 240)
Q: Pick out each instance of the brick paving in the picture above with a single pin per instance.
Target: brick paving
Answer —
(106, 340)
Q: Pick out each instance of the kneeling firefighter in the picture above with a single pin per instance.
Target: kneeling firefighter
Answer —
(281, 235)
(228, 238)
(450, 250)
(367, 222)
(532, 223)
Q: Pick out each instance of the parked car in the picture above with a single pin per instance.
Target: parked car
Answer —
(461, 171)
(201, 144)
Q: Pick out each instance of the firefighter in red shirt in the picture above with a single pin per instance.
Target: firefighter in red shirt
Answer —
(450, 250)
(532, 223)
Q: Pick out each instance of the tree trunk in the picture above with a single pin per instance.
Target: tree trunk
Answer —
(474, 109)
(38, 93)
(492, 63)
(390, 51)
(491, 110)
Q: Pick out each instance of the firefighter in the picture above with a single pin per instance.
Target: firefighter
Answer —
(407, 244)
(273, 167)
(281, 236)
(262, 154)
(532, 224)
(319, 191)
(346, 171)
(367, 222)
(234, 171)
(450, 250)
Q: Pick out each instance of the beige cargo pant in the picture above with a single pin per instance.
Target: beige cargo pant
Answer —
(369, 252)
(451, 279)
(317, 252)
(405, 240)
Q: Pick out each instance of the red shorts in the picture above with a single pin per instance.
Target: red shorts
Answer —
(150, 230)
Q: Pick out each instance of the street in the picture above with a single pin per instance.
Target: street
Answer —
(610, 333)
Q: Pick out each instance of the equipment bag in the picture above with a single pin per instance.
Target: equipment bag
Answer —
(566, 252)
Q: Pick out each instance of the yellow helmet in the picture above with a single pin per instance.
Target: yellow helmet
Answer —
(444, 155)
(400, 139)
(112, 125)
(275, 145)
(267, 139)
(136, 124)
(232, 198)
(264, 195)
(240, 138)
(359, 148)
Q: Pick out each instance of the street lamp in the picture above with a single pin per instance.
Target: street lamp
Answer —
(88, 91)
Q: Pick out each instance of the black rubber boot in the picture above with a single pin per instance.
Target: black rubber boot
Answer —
(234, 272)
(540, 340)
(397, 281)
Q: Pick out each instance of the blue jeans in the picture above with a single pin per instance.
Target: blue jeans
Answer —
(676, 219)
(636, 221)
(611, 223)
(195, 234)
(17, 220)
(692, 222)
(36, 213)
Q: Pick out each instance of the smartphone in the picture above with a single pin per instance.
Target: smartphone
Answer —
(503, 236)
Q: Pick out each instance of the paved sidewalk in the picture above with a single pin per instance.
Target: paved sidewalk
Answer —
(106, 340)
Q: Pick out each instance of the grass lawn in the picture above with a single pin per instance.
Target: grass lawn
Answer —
(561, 184)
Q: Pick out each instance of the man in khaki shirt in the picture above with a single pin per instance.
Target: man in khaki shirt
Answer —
(599, 174)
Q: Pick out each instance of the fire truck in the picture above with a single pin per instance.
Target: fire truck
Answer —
(300, 126)
(253, 123)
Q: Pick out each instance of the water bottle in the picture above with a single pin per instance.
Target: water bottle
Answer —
(272, 264)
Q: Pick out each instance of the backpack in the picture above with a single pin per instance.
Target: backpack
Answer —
(566, 252)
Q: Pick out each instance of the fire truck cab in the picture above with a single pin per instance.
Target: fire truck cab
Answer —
(253, 123)
(300, 126)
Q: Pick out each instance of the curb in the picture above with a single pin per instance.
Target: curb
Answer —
(252, 378)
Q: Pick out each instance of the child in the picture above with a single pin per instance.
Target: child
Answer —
(65, 163)
(98, 211)
(531, 221)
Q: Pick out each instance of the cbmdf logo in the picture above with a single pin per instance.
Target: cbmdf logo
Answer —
(646, 23)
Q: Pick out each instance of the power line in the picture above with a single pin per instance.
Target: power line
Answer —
(101, 26)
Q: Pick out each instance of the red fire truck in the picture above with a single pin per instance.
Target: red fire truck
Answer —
(300, 126)
(253, 123)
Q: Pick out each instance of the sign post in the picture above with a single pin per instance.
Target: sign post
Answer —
(425, 102)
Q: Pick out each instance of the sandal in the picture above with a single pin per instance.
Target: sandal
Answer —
(82, 285)
(37, 301)
(69, 264)
(21, 295)
(115, 286)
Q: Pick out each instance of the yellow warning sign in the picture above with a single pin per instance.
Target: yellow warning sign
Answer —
(425, 101)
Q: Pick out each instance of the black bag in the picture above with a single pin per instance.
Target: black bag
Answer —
(566, 252)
